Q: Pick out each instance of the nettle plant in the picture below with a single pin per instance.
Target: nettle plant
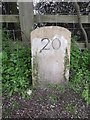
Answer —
(16, 67)
(80, 70)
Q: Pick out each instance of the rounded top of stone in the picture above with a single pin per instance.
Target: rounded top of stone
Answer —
(50, 31)
(51, 27)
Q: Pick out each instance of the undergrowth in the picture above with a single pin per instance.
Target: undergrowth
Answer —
(16, 67)
(80, 70)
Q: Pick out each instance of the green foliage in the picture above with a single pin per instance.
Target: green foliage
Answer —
(16, 67)
(85, 94)
(80, 70)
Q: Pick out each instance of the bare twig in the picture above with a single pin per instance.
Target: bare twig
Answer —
(80, 24)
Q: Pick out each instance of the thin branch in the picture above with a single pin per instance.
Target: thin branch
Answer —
(80, 24)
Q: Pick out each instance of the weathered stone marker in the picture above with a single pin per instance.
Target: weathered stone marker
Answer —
(50, 55)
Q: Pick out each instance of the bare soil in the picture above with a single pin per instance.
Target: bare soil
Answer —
(46, 103)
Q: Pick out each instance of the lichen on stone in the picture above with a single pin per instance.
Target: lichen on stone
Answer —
(66, 65)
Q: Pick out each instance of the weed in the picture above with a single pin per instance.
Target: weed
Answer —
(71, 108)
(7, 112)
(15, 105)
(52, 98)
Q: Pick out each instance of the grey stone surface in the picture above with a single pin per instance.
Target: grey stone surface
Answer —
(50, 55)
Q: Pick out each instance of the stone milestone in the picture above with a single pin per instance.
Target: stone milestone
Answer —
(50, 48)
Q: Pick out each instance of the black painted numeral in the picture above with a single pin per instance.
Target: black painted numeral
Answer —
(59, 44)
(45, 46)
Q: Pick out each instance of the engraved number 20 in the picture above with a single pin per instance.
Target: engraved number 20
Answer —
(45, 47)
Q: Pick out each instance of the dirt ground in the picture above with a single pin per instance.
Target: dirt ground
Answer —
(46, 103)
